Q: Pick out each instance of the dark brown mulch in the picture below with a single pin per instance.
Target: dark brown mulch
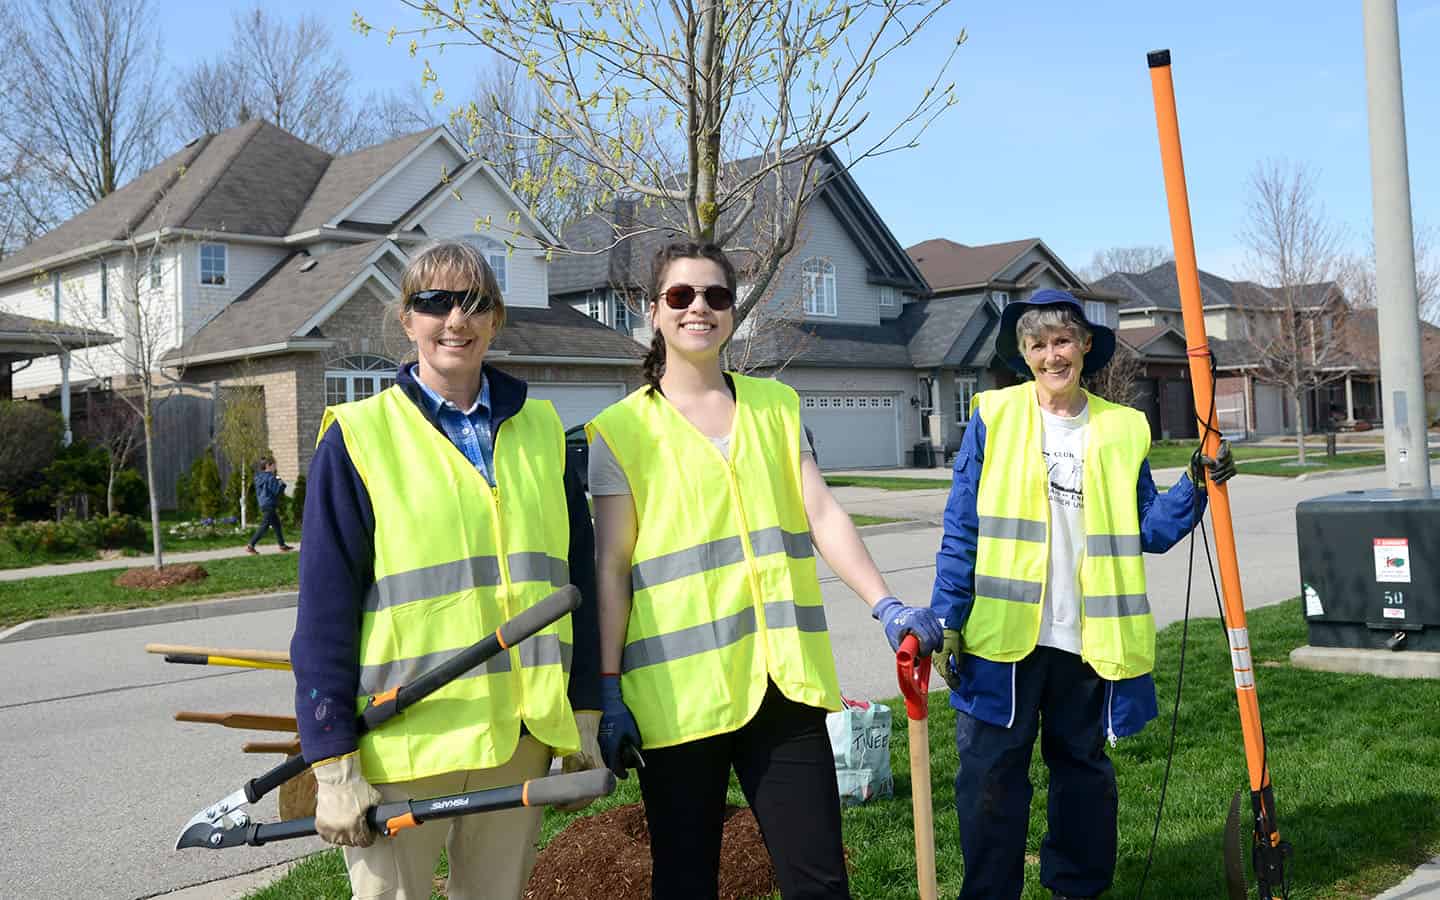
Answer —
(166, 576)
(608, 856)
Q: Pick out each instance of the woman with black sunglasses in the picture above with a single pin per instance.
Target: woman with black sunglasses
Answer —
(714, 648)
(437, 509)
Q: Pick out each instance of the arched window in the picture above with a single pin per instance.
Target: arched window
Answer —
(817, 280)
(357, 377)
(497, 257)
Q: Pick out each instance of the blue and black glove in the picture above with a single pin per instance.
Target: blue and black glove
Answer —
(900, 620)
(618, 730)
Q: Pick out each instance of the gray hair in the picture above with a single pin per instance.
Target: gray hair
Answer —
(1060, 317)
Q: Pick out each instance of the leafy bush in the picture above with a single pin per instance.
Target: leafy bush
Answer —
(204, 486)
(132, 496)
(32, 438)
(241, 483)
(297, 511)
(71, 536)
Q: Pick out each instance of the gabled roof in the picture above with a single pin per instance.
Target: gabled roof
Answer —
(937, 325)
(1158, 288)
(949, 266)
(1149, 340)
(22, 335)
(561, 331)
(351, 174)
(808, 343)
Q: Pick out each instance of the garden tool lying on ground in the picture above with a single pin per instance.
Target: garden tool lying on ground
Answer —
(913, 671)
(227, 814)
(391, 818)
(211, 656)
(1267, 851)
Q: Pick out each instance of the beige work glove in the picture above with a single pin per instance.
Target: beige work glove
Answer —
(587, 757)
(342, 797)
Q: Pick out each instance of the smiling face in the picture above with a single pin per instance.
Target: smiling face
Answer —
(697, 331)
(1056, 357)
(451, 347)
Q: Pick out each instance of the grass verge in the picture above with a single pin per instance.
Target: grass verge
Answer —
(1174, 454)
(861, 519)
(1316, 462)
(889, 484)
(40, 598)
(1353, 760)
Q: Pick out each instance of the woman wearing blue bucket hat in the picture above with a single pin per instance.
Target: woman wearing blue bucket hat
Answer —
(1040, 584)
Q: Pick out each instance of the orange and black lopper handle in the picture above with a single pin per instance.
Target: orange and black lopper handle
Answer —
(391, 818)
(913, 671)
(1269, 851)
(385, 706)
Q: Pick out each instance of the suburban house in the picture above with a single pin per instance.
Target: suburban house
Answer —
(1162, 387)
(1234, 310)
(254, 259)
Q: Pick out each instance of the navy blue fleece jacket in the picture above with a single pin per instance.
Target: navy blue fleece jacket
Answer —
(337, 567)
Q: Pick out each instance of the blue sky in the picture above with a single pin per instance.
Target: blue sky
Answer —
(1054, 135)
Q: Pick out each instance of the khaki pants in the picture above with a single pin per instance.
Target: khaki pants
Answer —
(490, 854)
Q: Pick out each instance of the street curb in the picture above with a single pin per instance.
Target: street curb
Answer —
(895, 527)
(232, 886)
(153, 615)
(1336, 473)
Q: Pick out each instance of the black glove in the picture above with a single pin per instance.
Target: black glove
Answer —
(1219, 469)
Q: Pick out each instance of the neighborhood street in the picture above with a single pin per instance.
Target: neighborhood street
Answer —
(101, 779)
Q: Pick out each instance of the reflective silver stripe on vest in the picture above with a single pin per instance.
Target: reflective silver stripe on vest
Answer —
(540, 650)
(1012, 529)
(1007, 589)
(717, 555)
(688, 641)
(1115, 605)
(462, 575)
(1112, 545)
(720, 633)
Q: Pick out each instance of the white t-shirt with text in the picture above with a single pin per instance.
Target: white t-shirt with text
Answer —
(1064, 448)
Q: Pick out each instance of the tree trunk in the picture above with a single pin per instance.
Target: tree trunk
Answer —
(1295, 399)
(149, 420)
(243, 486)
(110, 490)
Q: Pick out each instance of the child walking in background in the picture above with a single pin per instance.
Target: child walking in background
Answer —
(268, 488)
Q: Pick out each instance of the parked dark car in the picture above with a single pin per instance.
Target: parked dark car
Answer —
(577, 453)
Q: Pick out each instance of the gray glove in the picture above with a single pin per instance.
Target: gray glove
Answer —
(342, 797)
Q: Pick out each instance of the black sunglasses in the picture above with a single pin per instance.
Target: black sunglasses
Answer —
(439, 303)
(717, 296)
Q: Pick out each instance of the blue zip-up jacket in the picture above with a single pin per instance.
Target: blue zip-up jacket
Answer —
(268, 488)
(987, 689)
(337, 567)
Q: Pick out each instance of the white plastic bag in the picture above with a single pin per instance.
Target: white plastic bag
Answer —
(860, 740)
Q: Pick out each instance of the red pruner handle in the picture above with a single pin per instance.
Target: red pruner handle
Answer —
(913, 671)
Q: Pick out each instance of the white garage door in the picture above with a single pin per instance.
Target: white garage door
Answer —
(577, 403)
(853, 430)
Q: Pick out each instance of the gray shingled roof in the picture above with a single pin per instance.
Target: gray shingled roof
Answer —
(560, 330)
(14, 326)
(1159, 288)
(626, 263)
(279, 303)
(947, 265)
(839, 346)
(347, 177)
(934, 326)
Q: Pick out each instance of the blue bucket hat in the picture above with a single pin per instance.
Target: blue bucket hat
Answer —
(1007, 342)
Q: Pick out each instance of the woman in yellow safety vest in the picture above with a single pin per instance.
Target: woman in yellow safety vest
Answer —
(437, 509)
(714, 648)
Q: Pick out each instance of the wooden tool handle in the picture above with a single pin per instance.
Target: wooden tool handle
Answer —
(277, 656)
(255, 721)
(924, 813)
(289, 748)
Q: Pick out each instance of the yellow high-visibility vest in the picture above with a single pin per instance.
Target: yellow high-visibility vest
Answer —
(725, 596)
(1012, 558)
(454, 558)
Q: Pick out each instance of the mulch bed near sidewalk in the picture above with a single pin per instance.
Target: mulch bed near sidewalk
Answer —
(607, 857)
(151, 578)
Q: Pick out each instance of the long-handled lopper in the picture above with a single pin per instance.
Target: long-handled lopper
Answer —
(1267, 851)
(391, 818)
(913, 671)
(228, 812)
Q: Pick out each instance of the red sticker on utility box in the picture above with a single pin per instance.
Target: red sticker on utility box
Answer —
(1392, 560)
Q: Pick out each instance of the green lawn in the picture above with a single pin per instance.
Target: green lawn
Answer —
(1354, 762)
(1174, 454)
(10, 558)
(889, 484)
(39, 598)
(861, 519)
(1316, 462)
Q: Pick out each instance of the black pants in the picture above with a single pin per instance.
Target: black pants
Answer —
(269, 519)
(1058, 695)
(787, 771)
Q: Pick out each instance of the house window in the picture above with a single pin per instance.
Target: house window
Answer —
(497, 256)
(55, 290)
(1001, 298)
(622, 314)
(887, 296)
(212, 264)
(595, 306)
(156, 274)
(1095, 312)
(357, 377)
(818, 282)
(964, 394)
(104, 290)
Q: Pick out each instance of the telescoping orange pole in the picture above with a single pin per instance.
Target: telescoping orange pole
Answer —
(1268, 852)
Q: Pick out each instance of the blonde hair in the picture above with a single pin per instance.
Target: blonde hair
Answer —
(457, 258)
(1050, 318)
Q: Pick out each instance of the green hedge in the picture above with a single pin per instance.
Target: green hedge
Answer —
(71, 536)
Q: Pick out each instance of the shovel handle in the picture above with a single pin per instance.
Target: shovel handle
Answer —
(913, 671)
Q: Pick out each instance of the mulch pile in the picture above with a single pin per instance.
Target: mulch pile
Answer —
(166, 576)
(608, 856)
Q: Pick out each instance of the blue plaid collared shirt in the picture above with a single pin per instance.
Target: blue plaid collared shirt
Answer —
(469, 430)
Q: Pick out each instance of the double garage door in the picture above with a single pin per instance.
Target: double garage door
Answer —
(853, 430)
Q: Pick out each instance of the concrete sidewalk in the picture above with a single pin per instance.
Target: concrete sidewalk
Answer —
(130, 562)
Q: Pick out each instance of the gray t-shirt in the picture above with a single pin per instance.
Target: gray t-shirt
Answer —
(607, 479)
